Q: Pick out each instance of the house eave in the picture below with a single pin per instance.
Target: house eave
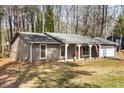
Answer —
(44, 43)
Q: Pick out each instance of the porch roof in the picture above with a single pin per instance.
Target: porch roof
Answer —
(78, 39)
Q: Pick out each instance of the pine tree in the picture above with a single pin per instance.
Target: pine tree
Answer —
(49, 22)
(119, 28)
(39, 21)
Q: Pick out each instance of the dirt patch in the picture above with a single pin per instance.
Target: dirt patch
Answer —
(59, 74)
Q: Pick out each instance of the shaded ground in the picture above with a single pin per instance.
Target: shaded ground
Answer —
(99, 73)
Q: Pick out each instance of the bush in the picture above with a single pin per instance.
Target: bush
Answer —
(4, 55)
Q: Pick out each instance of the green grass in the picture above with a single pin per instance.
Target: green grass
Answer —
(94, 74)
(114, 81)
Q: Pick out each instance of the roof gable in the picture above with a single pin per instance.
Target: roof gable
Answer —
(35, 37)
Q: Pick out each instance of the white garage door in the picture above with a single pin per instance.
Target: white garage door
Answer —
(107, 51)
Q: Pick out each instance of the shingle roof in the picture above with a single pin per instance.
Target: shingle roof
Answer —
(104, 41)
(61, 38)
(69, 38)
(77, 39)
(36, 37)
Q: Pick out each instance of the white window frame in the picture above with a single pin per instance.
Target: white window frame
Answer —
(61, 51)
(41, 50)
(83, 51)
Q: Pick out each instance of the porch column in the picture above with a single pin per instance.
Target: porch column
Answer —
(115, 54)
(90, 46)
(66, 51)
(31, 52)
(79, 47)
(99, 51)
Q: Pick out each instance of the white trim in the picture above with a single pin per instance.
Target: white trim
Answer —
(90, 51)
(66, 51)
(83, 51)
(99, 51)
(79, 50)
(76, 51)
(61, 51)
(31, 52)
(41, 50)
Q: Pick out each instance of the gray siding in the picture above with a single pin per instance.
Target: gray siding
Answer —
(14, 49)
(71, 51)
(35, 52)
(23, 51)
(20, 50)
(53, 52)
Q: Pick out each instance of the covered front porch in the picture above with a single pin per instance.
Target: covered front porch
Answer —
(79, 51)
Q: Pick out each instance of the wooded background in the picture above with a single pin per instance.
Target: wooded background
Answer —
(86, 20)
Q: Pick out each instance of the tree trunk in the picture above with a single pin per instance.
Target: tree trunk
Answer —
(43, 19)
(23, 22)
(32, 22)
(11, 32)
(102, 23)
(0, 39)
(76, 21)
(106, 10)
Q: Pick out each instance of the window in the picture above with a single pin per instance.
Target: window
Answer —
(42, 51)
(86, 50)
(76, 48)
(62, 51)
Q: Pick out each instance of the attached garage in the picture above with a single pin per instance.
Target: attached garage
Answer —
(107, 51)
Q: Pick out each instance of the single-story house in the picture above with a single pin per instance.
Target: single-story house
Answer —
(27, 46)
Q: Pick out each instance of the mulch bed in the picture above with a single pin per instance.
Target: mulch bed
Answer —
(120, 62)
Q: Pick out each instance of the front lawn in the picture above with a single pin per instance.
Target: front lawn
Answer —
(92, 74)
